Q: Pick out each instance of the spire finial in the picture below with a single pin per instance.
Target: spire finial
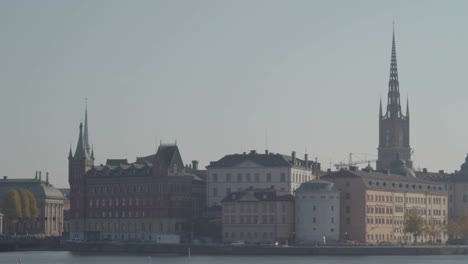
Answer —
(92, 152)
(70, 155)
(380, 109)
(407, 106)
(85, 136)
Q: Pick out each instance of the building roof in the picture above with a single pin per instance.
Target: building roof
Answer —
(266, 160)
(462, 175)
(257, 195)
(387, 181)
(317, 186)
(39, 188)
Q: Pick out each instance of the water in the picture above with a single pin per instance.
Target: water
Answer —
(63, 257)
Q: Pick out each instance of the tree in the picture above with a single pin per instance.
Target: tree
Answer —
(12, 207)
(453, 228)
(433, 228)
(414, 224)
(25, 203)
(33, 205)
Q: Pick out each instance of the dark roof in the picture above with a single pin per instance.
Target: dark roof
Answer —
(252, 194)
(116, 162)
(433, 176)
(266, 160)
(385, 181)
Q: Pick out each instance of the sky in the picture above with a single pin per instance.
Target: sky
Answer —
(222, 77)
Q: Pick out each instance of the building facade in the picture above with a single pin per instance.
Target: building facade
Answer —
(152, 199)
(258, 216)
(317, 213)
(49, 200)
(237, 172)
(374, 205)
(394, 126)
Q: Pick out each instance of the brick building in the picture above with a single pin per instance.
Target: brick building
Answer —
(151, 199)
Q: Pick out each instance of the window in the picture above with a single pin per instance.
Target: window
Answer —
(247, 177)
(214, 177)
(333, 208)
(313, 220)
(283, 177)
(215, 192)
(257, 177)
(228, 177)
(348, 209)
(333, 220)
(348, 196)
(268, 177)
(239, 177)
(348, 220)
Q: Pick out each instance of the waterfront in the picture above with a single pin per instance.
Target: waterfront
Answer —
(62, 257)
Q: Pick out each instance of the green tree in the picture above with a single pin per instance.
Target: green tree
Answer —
(414, 224)
(452, 228)
(25, 204)
(12, 208)
(33, 205)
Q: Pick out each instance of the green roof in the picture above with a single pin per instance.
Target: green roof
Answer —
(317, 185)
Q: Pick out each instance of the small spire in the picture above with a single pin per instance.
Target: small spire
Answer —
(85, 136)
(380, 109)
(407, 107)
(47, 177)
(70, 155)
(92, 152)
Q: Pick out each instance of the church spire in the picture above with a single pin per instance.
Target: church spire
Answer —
(85, 136)
(407, 107)
(80, 152)
(70, 155)
(393, 105)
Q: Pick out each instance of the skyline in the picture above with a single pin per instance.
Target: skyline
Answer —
(217, 77)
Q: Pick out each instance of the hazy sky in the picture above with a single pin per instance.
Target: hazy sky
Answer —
(215, 75)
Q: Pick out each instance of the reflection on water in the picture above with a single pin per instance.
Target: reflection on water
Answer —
(63, 257)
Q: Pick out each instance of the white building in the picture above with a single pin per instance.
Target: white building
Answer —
(317, 212)
(237, 172)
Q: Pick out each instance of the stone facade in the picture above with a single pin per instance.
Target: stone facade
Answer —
(238, 172)
(374, 205)
(317, 213)
(49, 202)
(258, 216)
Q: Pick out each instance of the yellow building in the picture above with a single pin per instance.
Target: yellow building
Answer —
(374, 205)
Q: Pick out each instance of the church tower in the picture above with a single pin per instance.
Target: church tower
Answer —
(394, 127)
(78, 164)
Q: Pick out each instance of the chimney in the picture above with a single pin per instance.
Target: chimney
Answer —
(253, 152)
(35, 177)
(5, 177)
(244, 153)
(293, 155)
(425, 170)
(306, 159)
(40, 175)
(353, 168)
(441, 171)
(328, 170)
(47, 177)
(195, 164)
(266, 151)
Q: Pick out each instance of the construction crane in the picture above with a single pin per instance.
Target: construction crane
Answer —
(351, 163)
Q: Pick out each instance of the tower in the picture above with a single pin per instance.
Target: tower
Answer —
(78, 164)
(394, 127)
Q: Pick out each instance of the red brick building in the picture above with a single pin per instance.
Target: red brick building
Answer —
(155, 198)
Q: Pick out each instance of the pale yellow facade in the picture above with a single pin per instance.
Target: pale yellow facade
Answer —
(374, 205)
